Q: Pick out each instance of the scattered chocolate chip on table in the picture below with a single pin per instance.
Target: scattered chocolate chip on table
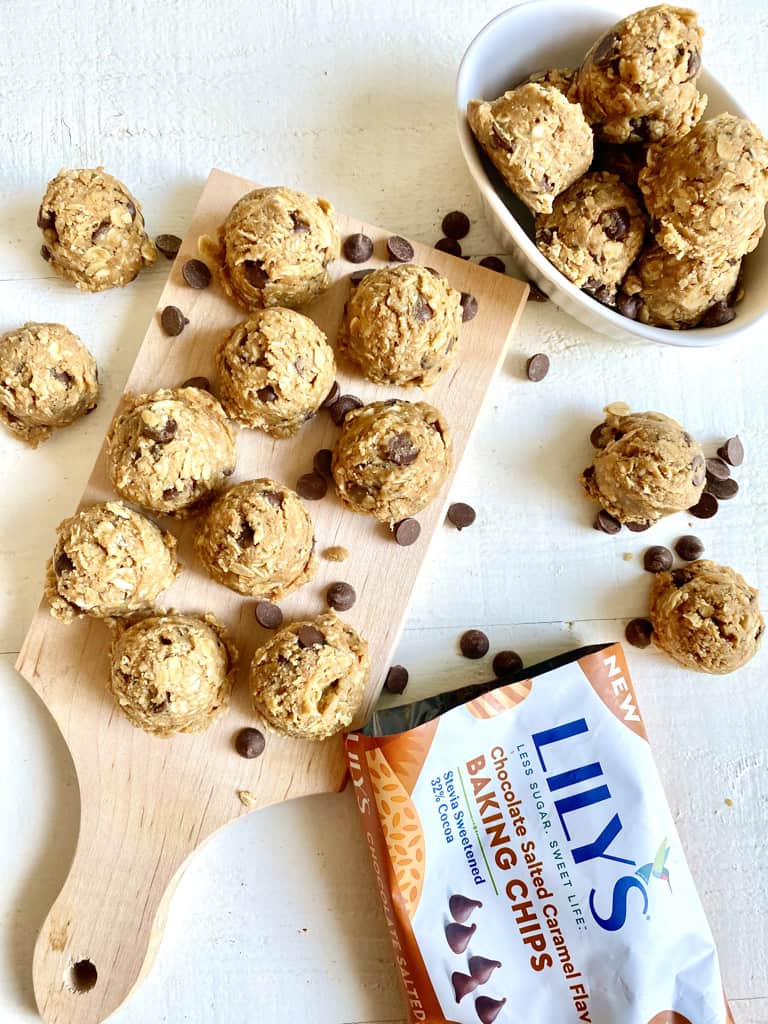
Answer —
(705, 507)
(250, 742)
(399, 249)
(397, 679)
(173, 321)
(449, 245)
(689, 548)
(406, 532)
(197, 382)
(197, 274)
(268, 615)
(606, 523)
(537, 367)
(455, 224)
(468, 307)
(474, 644)
(168, 245)
(311, 487)
(493, 263)
(732, 451)
(461, 515)
(717, 469)
(657, 559)
(639, 632)
(357, 248)
(506, 663)
(321, 463)
(342, 407)
(340, 596)
(722, 489)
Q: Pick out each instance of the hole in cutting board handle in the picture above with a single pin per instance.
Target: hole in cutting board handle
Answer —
(81, 976)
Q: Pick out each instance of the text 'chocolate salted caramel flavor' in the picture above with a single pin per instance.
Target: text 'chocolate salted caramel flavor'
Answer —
(527, 859)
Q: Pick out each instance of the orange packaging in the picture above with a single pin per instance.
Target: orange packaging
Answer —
(526, 857)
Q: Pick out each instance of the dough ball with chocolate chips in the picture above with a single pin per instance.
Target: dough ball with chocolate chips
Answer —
(594, 233)
(676, 292)
(706, 193)
(646, 467)
(169, 451)
(93, 230)
(275, 371)
(706, 617)
(308, 680)
(538, 141)
(562, 79)
(274, 248)
(638, 82)
(48, 379)
(391, 459)
(172, 673)
(401, 325)
(257, 538)
(109, 561)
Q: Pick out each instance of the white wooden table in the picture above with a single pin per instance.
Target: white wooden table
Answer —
(277, 918)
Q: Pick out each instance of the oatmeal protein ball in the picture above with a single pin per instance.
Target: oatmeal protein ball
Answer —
(173, 673)
(169, 451)
(48, 379)
(646, 467)
(706, 617)
(308, 680)
(109, 561)
(638, 82)
(401, 325)
(93, 230)
(538, 141)
(593, 234)
(275, 371)
(706, 193)
(676, 293)
(257, 538)
(274, 248)
(391, 459)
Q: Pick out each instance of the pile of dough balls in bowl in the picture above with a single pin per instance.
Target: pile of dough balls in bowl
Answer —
(630, 183)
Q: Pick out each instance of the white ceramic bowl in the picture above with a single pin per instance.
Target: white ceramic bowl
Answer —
(557, 33)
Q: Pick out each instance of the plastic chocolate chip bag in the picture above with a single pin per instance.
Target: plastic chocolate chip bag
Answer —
(526, 856)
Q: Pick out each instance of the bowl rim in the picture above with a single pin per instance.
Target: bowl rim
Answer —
(697, 337)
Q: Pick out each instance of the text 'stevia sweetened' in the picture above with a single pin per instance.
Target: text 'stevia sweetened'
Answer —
(527, 859)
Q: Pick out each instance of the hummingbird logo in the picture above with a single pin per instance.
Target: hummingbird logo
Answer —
(657, 868)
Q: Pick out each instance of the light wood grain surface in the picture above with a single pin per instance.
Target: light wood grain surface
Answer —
(277, 917)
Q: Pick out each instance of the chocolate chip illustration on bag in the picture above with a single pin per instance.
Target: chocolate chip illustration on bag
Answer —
(525, 854)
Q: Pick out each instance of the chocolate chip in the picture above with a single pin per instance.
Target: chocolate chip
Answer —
(300, 226)
(461, 515)
(699, 470)
(474, 644)
(250, 742)
(599, 291)
(169, 493)
(101, 231)
(482, 968)
(274, 498)
(499, 140)
(268, 615)
(407, 532)
(493, 263)
(449, 245)
(717, 469)
(131, 209)
(463, 984)
(45, 252)
(357, 248)
(321, 463)
(535, 294)
(506, 663)
(246, 535)
(455, 224)
(468, 307)
(332, 396)
(601, 435)
(488, 1009)
(638, 632)
(309, 636)
(161, 435)
(717, 315)
(173, 321)
(168, 245)
(657, 559)
(201, 383)
(422, 309)
(397, 679)
(537, 367)
(357, 275)
(47, 220)
(458, 935)
(544, 236)
(63, 376)
(638, 527)
(401, 450)
(689, 548)
(606, 523)
(267, 394)
(705, 507)
(606, 50)
(312, 487)
(461, 907)
(694, 64)
(629, 305)
(196, 274)
(63, 563)
(340, 596)
(254, 273)
(723, 489)
(342, 407)
(399, 249)
(615, 223)
(732, 451)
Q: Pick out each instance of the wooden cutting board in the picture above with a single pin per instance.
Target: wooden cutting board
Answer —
(146, 803)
